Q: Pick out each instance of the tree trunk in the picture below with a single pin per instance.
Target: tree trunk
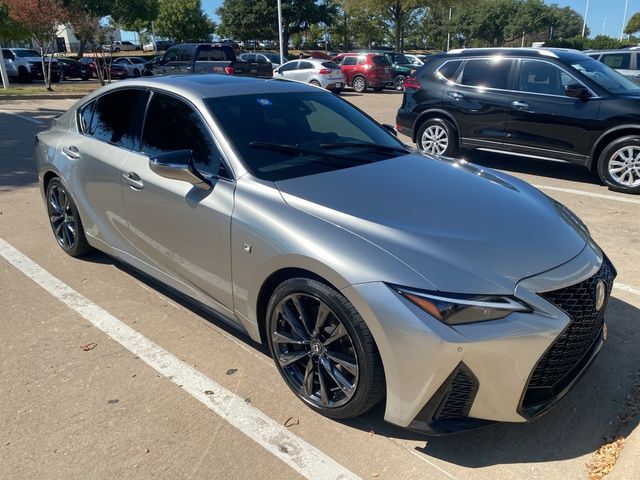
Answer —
(285, 42)
(83, 43)
(397, 20)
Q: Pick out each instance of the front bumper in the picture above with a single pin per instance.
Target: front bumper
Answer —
(442, 379)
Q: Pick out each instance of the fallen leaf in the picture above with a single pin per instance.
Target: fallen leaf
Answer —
(88, 346)
(290, 422)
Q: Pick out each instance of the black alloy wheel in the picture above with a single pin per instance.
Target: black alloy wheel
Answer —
(65, 220)
(323, 349)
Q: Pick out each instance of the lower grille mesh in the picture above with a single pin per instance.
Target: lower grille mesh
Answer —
(462, 392)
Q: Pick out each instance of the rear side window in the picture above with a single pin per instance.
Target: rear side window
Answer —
(487, 73)
(117, 117)
(86, 115)
(173, 125)
(332, 65)
(448, 70)
(349, 61)
(305, 66)
(362, 59)
(215, 54)
(381, 61)
(617, 60)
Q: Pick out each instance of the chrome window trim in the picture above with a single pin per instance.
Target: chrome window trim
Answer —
(594, 96)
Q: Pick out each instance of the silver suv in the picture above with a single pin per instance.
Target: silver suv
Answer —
(625, 61)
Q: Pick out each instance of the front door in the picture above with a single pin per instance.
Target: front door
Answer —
(543, 121)
(177, 228)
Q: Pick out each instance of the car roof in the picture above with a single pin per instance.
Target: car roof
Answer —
(558, 53)
(213, 86)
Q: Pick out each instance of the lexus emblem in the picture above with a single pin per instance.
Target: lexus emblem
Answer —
(600, 294)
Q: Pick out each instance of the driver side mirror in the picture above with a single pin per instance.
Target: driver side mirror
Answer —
(178, 165)
(576, 91)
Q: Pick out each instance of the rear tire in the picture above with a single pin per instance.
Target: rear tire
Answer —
(315, 83)
(619, 165)
(398, 83)
(323, 349)
(65, 220)
(437, 136)
(359, 84)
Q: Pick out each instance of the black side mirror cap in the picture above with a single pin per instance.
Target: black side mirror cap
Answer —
(576, 91)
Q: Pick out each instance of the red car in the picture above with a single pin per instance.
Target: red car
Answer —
(117, 71)
(365, 70)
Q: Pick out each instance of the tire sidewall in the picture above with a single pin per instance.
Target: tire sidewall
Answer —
(356, 81)
(452, 147)
(79, 246)
(606, 156)
(398, 82)
(336, 302)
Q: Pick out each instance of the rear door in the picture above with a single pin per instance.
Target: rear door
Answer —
(478, 99)
(303, 72)
(185, 59)
(542, 120)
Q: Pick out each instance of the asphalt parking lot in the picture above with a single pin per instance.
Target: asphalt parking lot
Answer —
(117, 410)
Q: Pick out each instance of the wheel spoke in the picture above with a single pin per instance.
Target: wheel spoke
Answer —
(293, 321)
(303, 314)
(286, 337)
(338, 333)
(65, 235)
(337, 377)
(307, 382)
(58, 229)
(344, 361)
(70, 233)
(324, 393)
(56, 218)
(321, 318)
(289, 358)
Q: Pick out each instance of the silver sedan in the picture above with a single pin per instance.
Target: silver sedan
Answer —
(321, 73)
(461, 295)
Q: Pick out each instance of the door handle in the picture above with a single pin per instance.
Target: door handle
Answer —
(456, 95)
(71, 152)
(520, 105)
(133, 180)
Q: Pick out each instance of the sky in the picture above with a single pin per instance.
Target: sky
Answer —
(604, 16)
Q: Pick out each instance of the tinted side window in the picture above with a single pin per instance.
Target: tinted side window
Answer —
(186, 54)
(349, 61)
(173, 125)
(362, 59)
(488, 73)
(171, 55)
(8, 55)
(617, 60)
(449, 69)
(117, 117)
(86, 115)
(305, 66)
(540, 77)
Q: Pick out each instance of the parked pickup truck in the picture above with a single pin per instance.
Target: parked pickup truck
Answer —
(205, 58)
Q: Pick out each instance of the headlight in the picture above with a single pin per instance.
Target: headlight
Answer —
(456, 309)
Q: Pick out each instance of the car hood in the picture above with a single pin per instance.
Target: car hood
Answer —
(37, 59)
(463, 228)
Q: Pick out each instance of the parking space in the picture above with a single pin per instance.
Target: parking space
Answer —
(116, 411)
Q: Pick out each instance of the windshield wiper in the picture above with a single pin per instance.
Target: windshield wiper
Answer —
(283, 147)
(371, 146)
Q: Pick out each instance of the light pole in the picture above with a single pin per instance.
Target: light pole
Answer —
(624, 18)
(3, 71)
(282, 60)
(584, 24)
(449, 30)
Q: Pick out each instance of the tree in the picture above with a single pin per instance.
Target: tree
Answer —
(10, 30)
(41, 18)
(633, 25)
(251, 20)
(183, 20)
(135, 15)
(565, 22)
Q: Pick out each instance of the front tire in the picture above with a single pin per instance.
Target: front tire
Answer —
(619, 165)
(437, 137)
(323, 349)
(65, 220)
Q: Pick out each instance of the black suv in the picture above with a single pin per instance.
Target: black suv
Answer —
(540, 103)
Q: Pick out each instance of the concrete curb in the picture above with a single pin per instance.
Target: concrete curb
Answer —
(53, 96)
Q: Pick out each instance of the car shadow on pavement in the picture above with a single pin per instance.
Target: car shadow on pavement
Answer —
(577, 425)
(531, 166)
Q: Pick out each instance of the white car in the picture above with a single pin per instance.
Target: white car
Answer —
(414, 59)
(134, 65)
(321, 73)
(120, 46)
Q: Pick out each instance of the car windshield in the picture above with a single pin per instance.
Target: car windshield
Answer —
(26, 53)
(605, 76)
(293, 134)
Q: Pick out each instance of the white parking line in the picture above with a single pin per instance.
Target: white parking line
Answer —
(589, 194)
(24, 117)
(627, 288)
(273, 437)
